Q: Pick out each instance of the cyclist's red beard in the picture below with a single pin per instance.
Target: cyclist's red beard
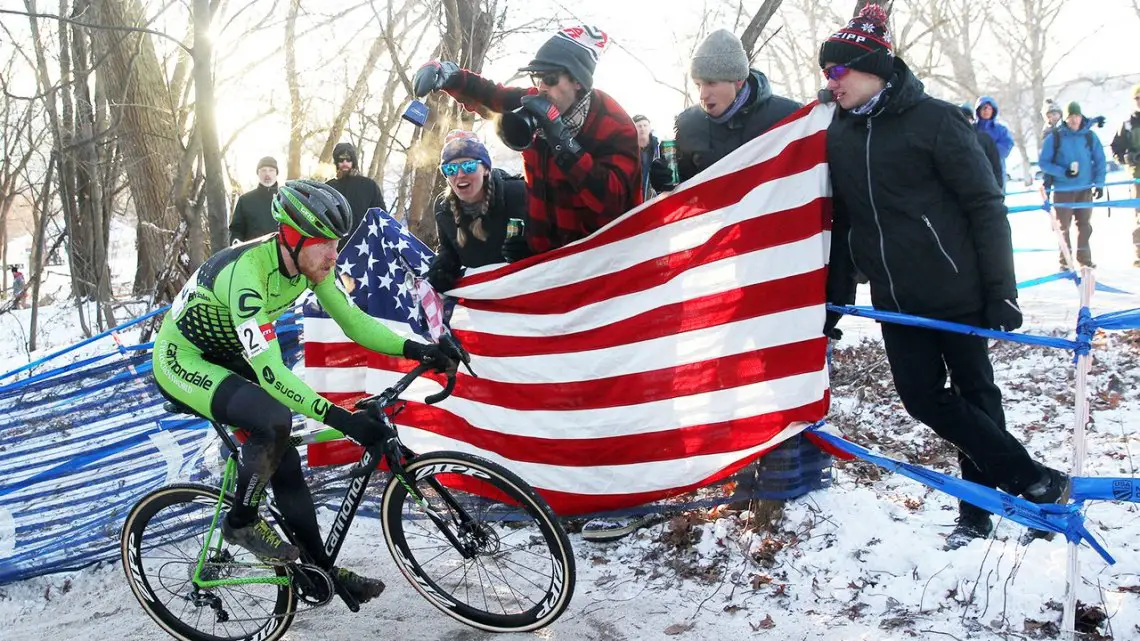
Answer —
(317, 258)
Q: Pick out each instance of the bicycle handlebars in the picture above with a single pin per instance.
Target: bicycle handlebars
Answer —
(390, 395)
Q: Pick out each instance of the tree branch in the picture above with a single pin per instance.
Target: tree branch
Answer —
(89, 25)
(756, 25)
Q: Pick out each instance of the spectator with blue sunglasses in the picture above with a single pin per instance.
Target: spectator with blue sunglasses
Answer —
(471, 217)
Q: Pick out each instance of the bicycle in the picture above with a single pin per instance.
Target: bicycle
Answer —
(488, 524)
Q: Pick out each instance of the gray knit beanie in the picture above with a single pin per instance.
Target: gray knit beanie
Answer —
(720, 57)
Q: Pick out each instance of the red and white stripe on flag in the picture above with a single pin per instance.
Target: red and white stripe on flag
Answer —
(658, 355)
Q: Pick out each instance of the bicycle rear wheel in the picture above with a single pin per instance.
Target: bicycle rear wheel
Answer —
(161, 540)
(502, 564)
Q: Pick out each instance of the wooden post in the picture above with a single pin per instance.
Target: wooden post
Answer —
(1084, 363)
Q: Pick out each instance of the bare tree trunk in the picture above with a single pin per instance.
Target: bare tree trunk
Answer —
(756, 26)
(186, 195)
(40, 210)
(1024, 29)
(87, 239)
(352, 100)
(296, 110)
(470, 25)
(207, 127)
(149, 135)
(389, 118)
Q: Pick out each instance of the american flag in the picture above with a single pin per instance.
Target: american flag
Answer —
(381, 268)
(660, 354)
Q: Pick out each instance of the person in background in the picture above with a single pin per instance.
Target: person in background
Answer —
(581, 163)
(19, 288)
(361, 192)
(650, 150)
(989, 147)
(1052, 114)
(985, 120)
(1074, 157)
(253, 213)
(736, 105)
(1126, 148)
(917, 210)
(471, 218)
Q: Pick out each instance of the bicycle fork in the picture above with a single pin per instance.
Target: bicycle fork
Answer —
(462, 521)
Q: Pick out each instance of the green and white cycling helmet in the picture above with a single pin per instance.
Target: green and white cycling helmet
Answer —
(314, 209)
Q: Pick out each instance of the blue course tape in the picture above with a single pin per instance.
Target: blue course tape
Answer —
(1077, 188)
(1024, 208)
(1066, 519)
(1128, 203)
(1126, 319)
(1033, 282)
(1069, 275)
(930, 323)
(81, 343)
(1087, 488)
(77, 463)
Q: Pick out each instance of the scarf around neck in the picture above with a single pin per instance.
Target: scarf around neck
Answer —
(574, 117)
(741, 97)
(870, 106)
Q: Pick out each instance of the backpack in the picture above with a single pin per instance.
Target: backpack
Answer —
(1048, 179)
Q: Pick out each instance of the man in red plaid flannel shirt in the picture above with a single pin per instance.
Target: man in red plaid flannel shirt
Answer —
(581, 162)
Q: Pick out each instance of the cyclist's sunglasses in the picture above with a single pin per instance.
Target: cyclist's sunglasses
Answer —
(835, 72)
(548, 78)
(453, 168)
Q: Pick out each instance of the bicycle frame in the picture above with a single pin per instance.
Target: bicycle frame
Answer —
(391, 450)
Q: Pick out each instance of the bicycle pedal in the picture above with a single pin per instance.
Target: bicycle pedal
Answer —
(313, 583)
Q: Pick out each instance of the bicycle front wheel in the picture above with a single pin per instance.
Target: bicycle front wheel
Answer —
(161, 542)
(483, 547)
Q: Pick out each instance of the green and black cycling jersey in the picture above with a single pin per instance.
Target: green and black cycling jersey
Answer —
(224, 315)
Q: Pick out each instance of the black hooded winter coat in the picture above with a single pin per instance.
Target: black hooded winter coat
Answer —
(916, 208)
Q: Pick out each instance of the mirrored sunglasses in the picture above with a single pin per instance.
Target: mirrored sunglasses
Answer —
(835, 72)
(453, 168)
(548, 78)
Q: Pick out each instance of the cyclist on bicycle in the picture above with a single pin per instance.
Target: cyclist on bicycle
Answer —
(217, 354)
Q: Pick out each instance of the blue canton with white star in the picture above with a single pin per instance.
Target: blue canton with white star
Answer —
(376, 268)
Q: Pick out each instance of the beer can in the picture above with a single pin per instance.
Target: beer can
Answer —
(669, 155)
(514, 227)
(416, 113)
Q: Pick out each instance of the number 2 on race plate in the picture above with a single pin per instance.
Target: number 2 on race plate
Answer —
(252, 340)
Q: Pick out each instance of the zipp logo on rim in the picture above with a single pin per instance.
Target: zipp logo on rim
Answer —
(263, 633)
(556, 582)
(425, 588)
(450, 468)
(136, 570)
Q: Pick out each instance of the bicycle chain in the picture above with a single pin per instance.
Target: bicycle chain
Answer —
(300, 599)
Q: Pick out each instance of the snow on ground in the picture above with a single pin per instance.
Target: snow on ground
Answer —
(861, 560)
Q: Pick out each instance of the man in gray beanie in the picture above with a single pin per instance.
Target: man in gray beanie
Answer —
(253, 215)
(736, 105)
